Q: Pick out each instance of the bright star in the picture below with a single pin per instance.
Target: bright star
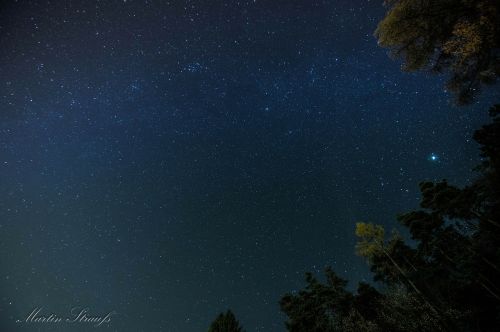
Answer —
(433, 157)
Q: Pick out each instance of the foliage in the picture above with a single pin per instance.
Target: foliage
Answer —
(316, 307)
(459, 36)
(225, 322)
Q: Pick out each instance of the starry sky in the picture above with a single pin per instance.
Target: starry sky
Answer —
(169, 160)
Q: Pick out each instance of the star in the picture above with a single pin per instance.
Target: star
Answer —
(204, 148)
(433, 157)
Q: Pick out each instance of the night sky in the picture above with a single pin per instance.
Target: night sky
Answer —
(169, 160)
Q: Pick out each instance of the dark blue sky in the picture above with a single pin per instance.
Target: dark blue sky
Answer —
(171, 160)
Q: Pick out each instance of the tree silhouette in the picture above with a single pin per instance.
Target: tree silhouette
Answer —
(225, 322)
(319, 306)
(458, 36)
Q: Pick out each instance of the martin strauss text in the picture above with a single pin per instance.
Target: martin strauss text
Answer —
(76, 315)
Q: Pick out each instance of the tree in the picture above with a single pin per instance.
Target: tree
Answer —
(329, 306)
(372, 246)
(403, 311)
(461, 37)
(317, 307)
(383, 259)
(225, 322)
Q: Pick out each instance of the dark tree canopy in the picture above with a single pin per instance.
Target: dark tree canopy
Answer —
(317, 307)
(461, 37)
(225, 322)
